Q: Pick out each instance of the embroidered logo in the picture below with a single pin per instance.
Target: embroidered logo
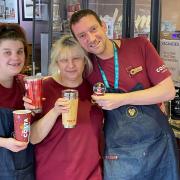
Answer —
(133, 71)
(161, 68)
(132, 111)
(136, 70)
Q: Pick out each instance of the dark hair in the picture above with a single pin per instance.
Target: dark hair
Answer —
(9, 31)
(77, 16)
(68, 41)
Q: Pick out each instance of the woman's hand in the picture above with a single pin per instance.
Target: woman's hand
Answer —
(61, 106)
(27, 103)
(15, 145)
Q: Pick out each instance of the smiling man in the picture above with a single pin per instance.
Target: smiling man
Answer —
(139, 144)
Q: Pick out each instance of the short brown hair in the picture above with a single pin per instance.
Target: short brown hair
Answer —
(10, 31)
(77, 16)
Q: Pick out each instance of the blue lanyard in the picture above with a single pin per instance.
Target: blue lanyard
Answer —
(116, 70)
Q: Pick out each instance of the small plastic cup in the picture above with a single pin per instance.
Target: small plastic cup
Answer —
(99, 89)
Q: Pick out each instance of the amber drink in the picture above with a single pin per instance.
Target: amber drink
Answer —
(69, 119)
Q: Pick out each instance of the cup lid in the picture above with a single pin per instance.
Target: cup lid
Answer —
(23, 111)
(32, 77)
(70, 93)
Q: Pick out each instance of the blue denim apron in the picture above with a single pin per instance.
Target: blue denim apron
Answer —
(139, 144)
(14, 166)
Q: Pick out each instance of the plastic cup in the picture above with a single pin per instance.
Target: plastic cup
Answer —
(99, 89)
(69, 120)
(22, 119)
(33, 85)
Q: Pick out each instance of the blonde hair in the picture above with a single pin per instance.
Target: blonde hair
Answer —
(60, 50)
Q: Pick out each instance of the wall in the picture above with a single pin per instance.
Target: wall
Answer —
(28, 26)
(40, 27)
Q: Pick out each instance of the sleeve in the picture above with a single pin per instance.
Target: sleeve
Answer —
(155, 66)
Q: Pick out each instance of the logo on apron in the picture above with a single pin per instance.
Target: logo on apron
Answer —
(132, 111)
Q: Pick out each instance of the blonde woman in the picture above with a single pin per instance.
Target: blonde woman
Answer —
(68, 154)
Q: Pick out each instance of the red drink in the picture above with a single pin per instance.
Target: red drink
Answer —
(33, 85)
(22, 120)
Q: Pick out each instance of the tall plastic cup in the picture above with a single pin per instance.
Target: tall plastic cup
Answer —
(33, 85)
(22, 119)
(69, 119)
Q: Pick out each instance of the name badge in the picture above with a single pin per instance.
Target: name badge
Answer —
(134, 71)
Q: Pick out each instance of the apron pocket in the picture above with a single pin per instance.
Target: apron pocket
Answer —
(128, 125)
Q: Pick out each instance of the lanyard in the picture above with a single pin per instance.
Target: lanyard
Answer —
(116, 70)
